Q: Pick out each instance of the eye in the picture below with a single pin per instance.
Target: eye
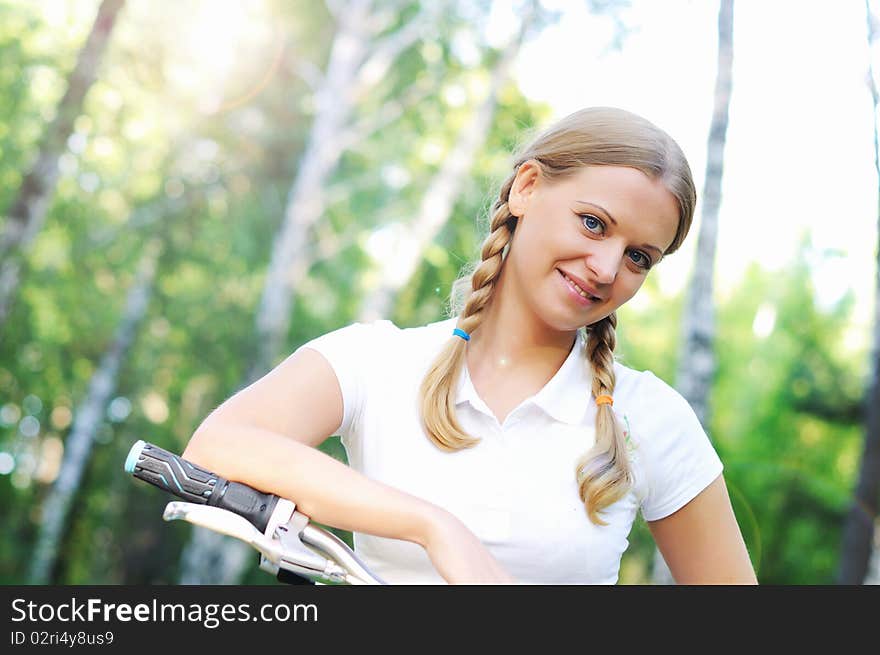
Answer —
(592, 223)
(640, 259)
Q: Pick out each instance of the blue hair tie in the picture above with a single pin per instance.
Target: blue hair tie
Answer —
(461, 333)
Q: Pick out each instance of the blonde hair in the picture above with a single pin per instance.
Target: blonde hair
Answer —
(597, 136)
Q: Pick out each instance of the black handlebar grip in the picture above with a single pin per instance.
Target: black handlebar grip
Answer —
(196, 485)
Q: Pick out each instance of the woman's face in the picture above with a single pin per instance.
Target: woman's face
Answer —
(604, 226)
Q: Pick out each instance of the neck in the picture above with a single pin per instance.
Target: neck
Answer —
(511, 337)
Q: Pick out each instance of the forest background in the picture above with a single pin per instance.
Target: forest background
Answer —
(190, 190)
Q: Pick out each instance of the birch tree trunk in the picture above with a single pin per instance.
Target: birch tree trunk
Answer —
(88, 416)
(439, 199)
(358, 60)
(861, 533)
(29, 208)
(697, 360)
(872, 577)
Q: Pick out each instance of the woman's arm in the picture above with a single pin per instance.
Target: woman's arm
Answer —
(702, 542)
(266, 436)
(323, 488)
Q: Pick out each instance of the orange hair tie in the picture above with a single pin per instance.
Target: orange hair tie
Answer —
(604, 400)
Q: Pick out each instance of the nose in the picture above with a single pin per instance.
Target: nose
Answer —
(604, 261)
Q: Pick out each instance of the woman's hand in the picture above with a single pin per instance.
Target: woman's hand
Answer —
(459, 556)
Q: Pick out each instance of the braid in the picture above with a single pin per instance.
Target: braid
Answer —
(437, 390)
(600, 351)
(483, 279)
(604, 473)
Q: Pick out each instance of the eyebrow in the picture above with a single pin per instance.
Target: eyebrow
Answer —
(611, 218)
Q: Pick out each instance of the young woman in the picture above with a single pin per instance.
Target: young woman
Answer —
(505, 444)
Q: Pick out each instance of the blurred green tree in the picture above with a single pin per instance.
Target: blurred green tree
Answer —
(28, 211)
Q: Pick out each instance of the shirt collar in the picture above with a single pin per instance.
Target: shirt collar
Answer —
(565, 397)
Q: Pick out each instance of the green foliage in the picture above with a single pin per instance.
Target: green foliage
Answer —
(779, 415)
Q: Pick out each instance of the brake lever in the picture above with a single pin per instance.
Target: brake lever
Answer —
(295, 530)
(285, 550)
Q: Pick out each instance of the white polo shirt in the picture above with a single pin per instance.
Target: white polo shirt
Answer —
(516, 490)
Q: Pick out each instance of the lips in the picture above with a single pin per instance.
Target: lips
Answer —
(583, 285)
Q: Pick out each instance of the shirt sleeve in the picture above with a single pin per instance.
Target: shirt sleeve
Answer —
(351, 353)
(676, 456)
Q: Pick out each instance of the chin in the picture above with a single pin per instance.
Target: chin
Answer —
(564, 324)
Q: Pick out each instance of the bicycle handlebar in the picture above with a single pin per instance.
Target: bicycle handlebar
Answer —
(288, 555)
(196, 485)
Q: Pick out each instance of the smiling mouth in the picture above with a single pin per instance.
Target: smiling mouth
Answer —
(580, 291)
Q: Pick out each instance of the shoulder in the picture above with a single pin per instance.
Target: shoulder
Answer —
(382, 337)
(430, 334)
(640, 391)
(656, 415)
(420, 338)
(673, 456)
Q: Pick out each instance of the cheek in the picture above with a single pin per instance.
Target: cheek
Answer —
(532, 249)
(631, 284)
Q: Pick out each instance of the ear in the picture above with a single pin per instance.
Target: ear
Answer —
(524, 184)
